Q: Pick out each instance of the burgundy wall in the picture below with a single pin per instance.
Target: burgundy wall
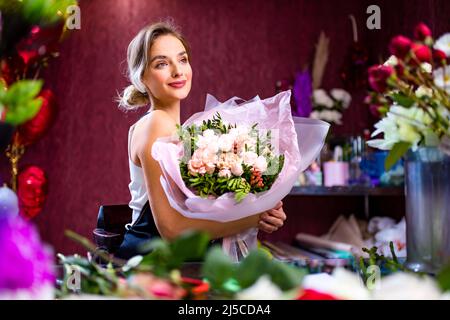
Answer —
(238, 48)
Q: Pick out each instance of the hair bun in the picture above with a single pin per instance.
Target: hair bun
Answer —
(132, 98)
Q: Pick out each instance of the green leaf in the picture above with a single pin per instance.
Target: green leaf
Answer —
(443, 278)
(397, 151)
(252, 267)
(285, 276)
(402, 100)
(217, 268)
(189, 246)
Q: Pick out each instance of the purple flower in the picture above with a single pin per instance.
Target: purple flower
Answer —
(302, 92)
(25, 263)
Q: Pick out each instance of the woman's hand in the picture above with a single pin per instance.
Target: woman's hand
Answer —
(273, 219)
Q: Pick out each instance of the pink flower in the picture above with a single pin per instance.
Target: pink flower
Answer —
(400, 46)
(225, 173)
(422, 52)
(237, 170)
(260, 164)
(378, 76)
(422, 31)
(249, 158)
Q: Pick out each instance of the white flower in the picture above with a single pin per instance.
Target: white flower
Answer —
(392, 61)
(237, 170)
(443, 44)
(208, 141)
(407, 286)
(342, 284)
(226, 142)
(401, 124)
(320, 97)
(249, 157)
(342, 95)
(208, 133)
(442, 78)
(263, 289)
(225, 173)
(315, 115)
(425, 66)
(424, 91)
(331, 116)
(260, 164)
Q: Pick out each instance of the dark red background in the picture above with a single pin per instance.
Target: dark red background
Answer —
(238, 48)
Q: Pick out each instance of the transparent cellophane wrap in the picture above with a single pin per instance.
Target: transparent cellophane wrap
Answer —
(298, 139)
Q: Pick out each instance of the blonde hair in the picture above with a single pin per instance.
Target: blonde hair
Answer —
(136, 95)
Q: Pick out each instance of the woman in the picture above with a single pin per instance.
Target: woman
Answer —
(161, 75)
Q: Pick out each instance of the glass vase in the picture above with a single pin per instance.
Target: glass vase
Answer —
(427, 186)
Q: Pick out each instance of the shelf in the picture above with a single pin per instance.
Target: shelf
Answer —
(346, 191)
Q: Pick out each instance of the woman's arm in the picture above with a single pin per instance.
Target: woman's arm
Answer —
(171, 223)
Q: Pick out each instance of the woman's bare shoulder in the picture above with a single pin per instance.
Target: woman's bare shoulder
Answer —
(157, 124)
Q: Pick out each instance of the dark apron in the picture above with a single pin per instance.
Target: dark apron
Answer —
(143, 230)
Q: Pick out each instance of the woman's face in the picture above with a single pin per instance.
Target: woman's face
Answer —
(168, 65)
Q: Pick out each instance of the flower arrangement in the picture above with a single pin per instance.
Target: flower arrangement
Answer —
(228, 158)
(411, 92)
(158, 275)
(329, 107)
(234, 160)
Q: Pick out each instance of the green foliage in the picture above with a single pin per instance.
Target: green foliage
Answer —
(397, 151)
(402, 99)
(44, 11)
(20, 101)
(220, 272)
(391, 264)
(443, 278)
(168, 256)
(94, 278)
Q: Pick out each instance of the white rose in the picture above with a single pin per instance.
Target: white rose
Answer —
(263, 289)
(249, 158)
(392, 61)
(424, 91)
(226, 142)
(225, 173)
(260, 164)
(208, 133)
(425, 66)
(237, 170)
(405, 286)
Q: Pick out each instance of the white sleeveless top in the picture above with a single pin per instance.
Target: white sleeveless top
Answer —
(137, 186)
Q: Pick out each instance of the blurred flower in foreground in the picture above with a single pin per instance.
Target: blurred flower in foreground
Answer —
(26, 265)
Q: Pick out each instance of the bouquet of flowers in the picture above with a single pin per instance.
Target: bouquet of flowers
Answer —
(235, 160)
(411, 92)
(228, 158)
(329, 107)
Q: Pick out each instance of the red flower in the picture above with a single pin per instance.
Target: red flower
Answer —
(421, 32)
(400, 46)
(310, 294)
(375, 110)
(439, 56)
(422, 52)
(378, 76)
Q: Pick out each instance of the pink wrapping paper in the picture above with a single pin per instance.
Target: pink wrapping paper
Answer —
(299, 139)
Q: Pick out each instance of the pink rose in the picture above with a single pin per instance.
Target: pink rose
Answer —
(421, 32)
(400, 46)
(378, 76)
